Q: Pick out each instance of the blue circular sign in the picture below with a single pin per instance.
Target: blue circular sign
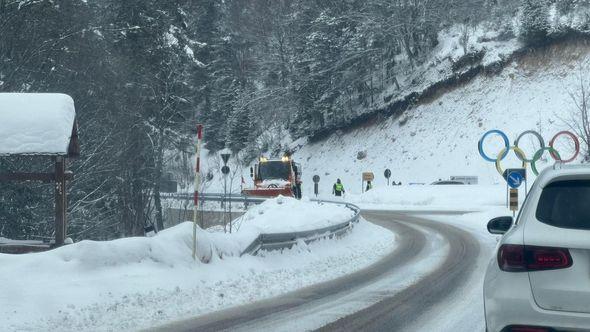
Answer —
(514, 179)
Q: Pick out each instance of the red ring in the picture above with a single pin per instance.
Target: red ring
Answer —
(576, 143)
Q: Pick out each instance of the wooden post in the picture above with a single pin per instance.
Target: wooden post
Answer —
(60, 201)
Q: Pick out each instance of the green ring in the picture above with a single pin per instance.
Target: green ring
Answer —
(538, 156)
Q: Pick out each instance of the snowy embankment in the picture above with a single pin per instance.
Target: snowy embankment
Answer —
(134, 283)
(438, 139)
(466, 198)
(279, 215)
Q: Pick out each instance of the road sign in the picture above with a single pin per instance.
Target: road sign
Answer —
(522, 171)
(513, 199)
(387, 173)
(225, 154)
(316, 180)
(368, 176)
(225, 170)
(514, 180)
(515, 177)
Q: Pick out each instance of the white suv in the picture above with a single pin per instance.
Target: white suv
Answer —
(540, 277)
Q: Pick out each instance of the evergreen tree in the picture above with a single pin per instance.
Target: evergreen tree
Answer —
(534, 22)
(240, 130)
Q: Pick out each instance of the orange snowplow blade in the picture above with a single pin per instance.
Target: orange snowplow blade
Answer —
(268, 192)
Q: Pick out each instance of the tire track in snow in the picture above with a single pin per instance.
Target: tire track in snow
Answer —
(431, 260)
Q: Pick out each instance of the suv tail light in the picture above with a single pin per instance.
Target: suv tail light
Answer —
(519, 258)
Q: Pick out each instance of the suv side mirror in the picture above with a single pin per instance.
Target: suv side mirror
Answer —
(500, 225)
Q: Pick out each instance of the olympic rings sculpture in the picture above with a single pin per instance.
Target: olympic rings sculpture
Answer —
(520, 154)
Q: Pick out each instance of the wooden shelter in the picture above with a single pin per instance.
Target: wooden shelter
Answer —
(44, 125)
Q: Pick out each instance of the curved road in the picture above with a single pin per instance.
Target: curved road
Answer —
(392, 310)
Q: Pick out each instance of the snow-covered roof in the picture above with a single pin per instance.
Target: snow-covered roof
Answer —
(36, 123)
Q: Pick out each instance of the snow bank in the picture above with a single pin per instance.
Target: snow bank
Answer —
(35, 123)
(475, 222)
(135, 283)
(433, 197)
(286, 214)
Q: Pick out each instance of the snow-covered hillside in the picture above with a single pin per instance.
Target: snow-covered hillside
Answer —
(439, 139)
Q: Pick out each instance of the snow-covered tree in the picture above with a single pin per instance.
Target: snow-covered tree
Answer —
(240, 130)
(534, 22)
(144, 72)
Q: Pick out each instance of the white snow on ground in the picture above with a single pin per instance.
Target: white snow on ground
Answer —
(134, 283)
(432, 197)
(35, 123)
(285, 214)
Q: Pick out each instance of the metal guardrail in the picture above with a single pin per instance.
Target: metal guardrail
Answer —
(279, 241)
(216, 197)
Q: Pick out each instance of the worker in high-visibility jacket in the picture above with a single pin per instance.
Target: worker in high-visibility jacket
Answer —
(338, 188)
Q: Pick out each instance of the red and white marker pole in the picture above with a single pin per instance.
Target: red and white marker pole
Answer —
(197, 186)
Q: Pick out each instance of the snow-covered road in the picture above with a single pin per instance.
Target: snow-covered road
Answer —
(431, 282)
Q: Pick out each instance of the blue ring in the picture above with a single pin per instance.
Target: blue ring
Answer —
(480, 145)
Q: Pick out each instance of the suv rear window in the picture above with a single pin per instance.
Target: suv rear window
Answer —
(565, 204)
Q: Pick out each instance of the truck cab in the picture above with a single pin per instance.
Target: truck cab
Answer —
(273, 177)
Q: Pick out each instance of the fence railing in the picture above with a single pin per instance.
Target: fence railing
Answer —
(279, 241)
(215, 197)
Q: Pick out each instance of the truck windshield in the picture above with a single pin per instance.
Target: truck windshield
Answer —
(274, 170)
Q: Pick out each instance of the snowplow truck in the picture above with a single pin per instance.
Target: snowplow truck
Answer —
(274, 177)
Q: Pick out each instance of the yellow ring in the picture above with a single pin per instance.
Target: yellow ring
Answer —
(519, 152)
